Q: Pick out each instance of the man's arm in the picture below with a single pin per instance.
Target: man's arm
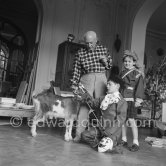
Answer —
(109, 60)
(106, 59)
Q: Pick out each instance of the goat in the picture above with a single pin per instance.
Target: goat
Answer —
(48, 105)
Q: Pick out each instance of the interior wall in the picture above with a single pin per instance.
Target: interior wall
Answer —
(106, 17)
(153, 42)
(62, 17)
(56, 24)
(39, 7)
(120, 24)
(26, 23)
(139, 27)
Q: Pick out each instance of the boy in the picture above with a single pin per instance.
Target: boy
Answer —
(133, 94)
(107, 134)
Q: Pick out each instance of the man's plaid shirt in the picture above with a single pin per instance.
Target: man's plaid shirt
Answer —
(88, 61)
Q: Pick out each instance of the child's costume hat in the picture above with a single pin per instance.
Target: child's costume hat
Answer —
(131, 54)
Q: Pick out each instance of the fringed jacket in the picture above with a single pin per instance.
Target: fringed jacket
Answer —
(134, 85)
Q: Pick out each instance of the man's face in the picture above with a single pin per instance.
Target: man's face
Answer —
(90, 42)
(112, 87)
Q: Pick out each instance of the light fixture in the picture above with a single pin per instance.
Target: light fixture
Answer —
(117, 43)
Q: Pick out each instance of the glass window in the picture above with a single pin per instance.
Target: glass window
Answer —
(4, 55)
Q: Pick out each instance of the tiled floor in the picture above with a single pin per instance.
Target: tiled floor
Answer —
(18, 148)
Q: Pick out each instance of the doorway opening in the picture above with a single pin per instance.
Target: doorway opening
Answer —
(18, 28)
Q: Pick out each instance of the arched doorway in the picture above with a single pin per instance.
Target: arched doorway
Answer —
(13, 56)
(139, 27)
(155, 43)
(18, 31)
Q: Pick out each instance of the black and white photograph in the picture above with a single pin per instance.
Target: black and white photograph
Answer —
(82, 82)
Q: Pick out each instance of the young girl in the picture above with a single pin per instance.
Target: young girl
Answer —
(133, 93)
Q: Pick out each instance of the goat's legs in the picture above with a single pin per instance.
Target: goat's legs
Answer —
(35, 121)
(68, 133)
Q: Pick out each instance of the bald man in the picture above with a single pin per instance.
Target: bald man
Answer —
(89, 68)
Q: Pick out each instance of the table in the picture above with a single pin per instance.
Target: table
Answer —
(16, 112)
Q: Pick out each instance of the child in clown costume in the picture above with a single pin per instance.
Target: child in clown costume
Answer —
(106, 135)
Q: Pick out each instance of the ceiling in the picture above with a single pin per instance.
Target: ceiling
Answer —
(19, 8)
(20, 14)
(157, 22)
(27, 8)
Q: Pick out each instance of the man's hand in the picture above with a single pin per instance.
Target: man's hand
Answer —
(103, 60)
(74, 88)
